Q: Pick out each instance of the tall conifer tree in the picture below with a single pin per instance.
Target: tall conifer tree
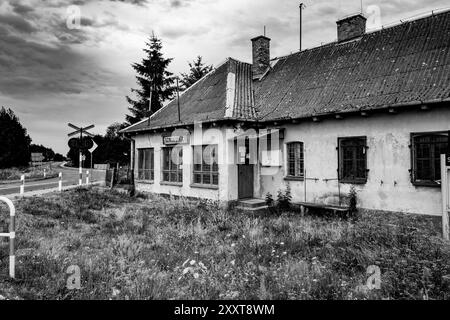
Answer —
(154, 80)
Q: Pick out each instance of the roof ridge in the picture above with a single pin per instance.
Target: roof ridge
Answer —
(383, 29)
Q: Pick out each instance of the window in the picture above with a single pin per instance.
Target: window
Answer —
(295, 160)
(146, 164)
(426, 152)
(172, 165)
(352, 160)
(206, 168)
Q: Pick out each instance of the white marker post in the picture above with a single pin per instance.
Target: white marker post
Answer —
(60, 182)
(445, 186)
(80, 181)
(22, 186)
(87, 177)
(45, 173)
(11, 235)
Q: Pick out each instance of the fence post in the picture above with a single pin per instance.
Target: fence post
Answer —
(87, 177)
(112, 177)
(11, 235)
(445, 200)
(60, 182)
(22, 185)
(45, 173)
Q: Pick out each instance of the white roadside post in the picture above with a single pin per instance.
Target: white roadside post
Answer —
(87, 177)
(22, 185)
(60, 182)
(11, 235)
(80, 181)
(45, 173)
(445, 197)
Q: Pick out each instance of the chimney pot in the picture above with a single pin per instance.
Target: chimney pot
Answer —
(261, 56)
(351, 27)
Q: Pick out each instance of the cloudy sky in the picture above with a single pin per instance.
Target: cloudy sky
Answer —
(53, 72)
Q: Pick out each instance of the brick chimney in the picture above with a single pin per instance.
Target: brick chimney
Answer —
(261, 56)
(351, 27)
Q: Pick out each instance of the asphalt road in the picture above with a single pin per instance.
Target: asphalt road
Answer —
(70, 178)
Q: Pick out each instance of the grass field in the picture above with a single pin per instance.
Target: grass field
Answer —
(29, 172)
(154, 248)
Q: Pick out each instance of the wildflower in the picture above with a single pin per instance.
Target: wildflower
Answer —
(233, 262)
(284, 253)
(115, 292)
(192, 262)
(233, 245)
(243, 236)
(281, 243)
(196, 275)
(186, 270)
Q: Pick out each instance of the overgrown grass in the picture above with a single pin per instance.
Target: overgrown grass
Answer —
(156, 248)
(29, 172)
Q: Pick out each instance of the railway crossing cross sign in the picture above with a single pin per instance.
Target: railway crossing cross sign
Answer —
(81, 144)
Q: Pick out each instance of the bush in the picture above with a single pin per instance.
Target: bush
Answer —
(284, 199)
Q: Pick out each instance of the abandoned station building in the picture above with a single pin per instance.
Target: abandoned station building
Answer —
(371, 110)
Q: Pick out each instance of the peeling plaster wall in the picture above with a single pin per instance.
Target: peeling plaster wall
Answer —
(388, 158)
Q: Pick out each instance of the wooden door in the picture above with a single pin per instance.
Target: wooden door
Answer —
(245, 181)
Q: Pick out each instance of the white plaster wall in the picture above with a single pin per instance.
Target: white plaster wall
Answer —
(388, 158)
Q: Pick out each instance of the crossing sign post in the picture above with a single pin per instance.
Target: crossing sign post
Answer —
(81, 144)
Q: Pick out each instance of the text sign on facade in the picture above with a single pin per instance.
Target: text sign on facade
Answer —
(171, 140)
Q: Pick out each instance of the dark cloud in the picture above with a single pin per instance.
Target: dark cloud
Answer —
(31, 68)
(16, 23)
(20, 8)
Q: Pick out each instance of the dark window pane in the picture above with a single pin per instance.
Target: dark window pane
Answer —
(205, 163)
(295, 159)
(352, 155)
(427, 150)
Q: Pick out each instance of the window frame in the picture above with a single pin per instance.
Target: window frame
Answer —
(412, 170)
(203, 172)
(152, 165)
(177, 170)
(340, 170)
(301, 176)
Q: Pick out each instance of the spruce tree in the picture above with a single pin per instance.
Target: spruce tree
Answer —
(197, 70)
(154, 81)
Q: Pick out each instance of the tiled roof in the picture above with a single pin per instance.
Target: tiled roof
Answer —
(402, 64)
(223, 93)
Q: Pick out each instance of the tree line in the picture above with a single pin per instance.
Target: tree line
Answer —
(15, 143)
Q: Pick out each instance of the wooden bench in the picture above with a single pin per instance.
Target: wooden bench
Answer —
(335, 210)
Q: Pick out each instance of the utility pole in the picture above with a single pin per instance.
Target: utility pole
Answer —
(302, 6)
(150, 101)
(178, 102)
